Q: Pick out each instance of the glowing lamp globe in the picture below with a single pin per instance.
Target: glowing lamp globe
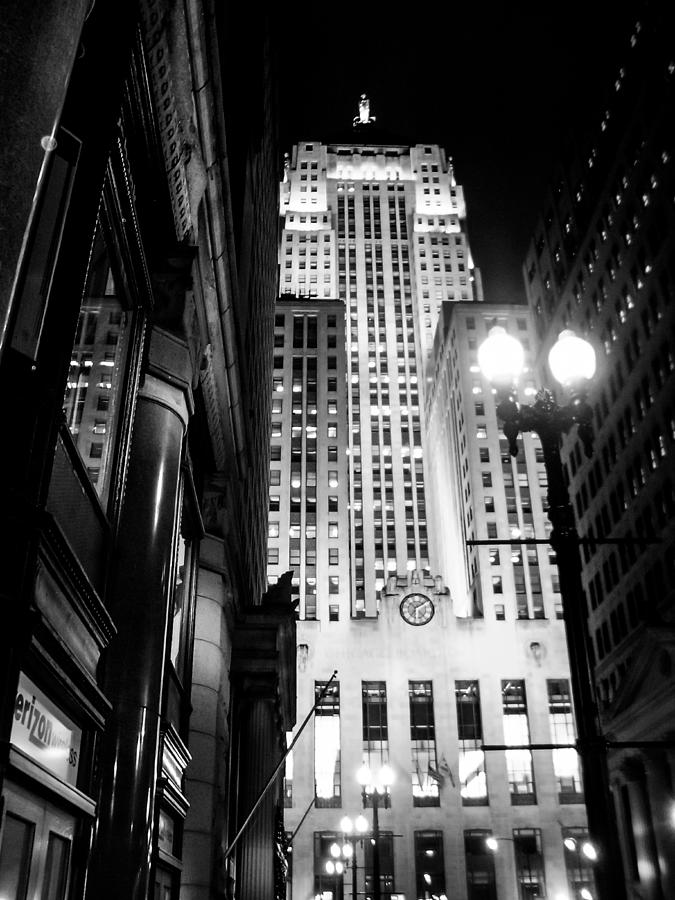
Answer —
(361, 824)
(386, 776)
(501, 357)
(589, 850)
(491, 843)
(335, 850)
(364, 776)
(330, 867)
(571, 359)
(346, 825)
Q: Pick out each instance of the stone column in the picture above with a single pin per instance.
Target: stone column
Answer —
(259, 754)
(263, 680)
(659, 787)
(138, 601)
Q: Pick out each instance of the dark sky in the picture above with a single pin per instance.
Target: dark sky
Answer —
(499, 86)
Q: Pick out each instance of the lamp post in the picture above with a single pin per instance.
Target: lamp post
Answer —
(360, 826)
(572, 362)
(376, 786)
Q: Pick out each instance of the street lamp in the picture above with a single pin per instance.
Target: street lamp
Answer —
(353, 832)
(572, 362)
(334, 867)
(376, 786)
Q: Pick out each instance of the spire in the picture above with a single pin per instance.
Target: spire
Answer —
(364, 117)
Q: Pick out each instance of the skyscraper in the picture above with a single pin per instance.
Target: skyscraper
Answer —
(601, 262)
(382, 227)
(374, 250)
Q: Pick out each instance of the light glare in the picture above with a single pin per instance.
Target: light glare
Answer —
(501, 357)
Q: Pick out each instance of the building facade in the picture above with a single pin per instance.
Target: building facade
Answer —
(417, 648)
(601, 262)
(146, 679)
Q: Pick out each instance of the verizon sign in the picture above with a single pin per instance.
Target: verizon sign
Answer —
(44, 733)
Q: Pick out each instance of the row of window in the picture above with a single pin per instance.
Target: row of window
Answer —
(430, 876)
(429, 769)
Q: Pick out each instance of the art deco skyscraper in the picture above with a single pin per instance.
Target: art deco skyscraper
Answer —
(364, 221)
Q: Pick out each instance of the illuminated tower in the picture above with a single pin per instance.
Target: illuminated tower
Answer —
(381, 227)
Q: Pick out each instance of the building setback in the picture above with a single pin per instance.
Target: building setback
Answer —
(426, 673)
(601, 262)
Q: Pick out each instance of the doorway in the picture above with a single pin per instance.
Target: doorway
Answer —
(35, 849)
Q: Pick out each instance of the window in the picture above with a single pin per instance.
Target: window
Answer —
(332, 504)
(273, 529)
(331, 431)
(182, 601)
(333, 612)
(577, 865)
(275, 477)
(275, 454)
(274, 503)
(529, 862)
(333, 530)
(333, 556)
(480, 866)
(272, 556)
(326, 885)
(333, 584)
(97, 374)
(425, 776)
(327, 786)
(386, 847)
(472, 778)
(517, 732)
(565, 762)
(375, 728)
(429, 865)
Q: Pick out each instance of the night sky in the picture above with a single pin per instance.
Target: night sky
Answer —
(500, 87)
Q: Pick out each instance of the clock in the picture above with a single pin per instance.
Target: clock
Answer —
(417, 609)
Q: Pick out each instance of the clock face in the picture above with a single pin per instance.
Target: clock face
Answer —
(417, 609)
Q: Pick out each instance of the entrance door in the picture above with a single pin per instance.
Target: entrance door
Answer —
(163, 884)
(35, 852)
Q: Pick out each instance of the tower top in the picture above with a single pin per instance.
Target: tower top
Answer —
(364, 117)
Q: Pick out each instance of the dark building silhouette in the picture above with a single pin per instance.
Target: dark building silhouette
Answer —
(602, 263)
(145, 686)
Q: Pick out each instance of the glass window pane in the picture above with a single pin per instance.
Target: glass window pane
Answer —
(95, 387)
(327, 746)
(56, 868)
(17, 845)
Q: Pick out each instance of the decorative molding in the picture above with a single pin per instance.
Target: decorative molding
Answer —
(175, 759)
(176, 150)
(212, 403)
